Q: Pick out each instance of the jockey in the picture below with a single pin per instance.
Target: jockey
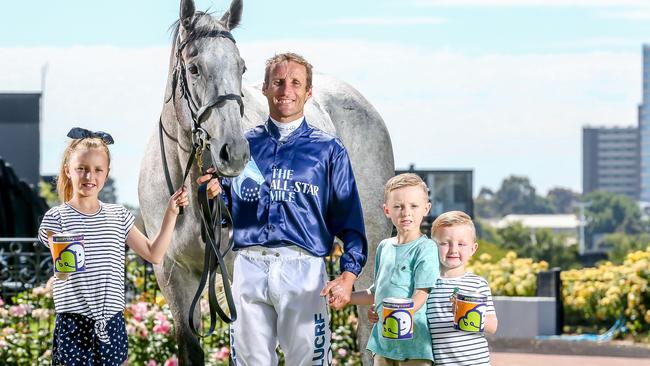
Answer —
(295, 195)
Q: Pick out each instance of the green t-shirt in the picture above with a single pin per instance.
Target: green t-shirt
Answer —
(399, 270)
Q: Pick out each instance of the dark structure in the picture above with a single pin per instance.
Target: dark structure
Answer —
(20, 134)
(21, 208)
(20, 205)
(448, 190)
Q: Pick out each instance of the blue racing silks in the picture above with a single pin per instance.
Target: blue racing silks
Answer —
(300, 191)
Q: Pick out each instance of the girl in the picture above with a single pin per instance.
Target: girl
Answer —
(89, 327)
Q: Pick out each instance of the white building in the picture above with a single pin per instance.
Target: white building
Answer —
(565, 224)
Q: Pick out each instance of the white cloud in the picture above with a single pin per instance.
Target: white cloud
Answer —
(637, 14)
(600, 43)
(521, 3)
(388, 21)
(499, 114)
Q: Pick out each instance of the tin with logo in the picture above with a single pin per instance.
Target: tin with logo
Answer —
(397, 318)
(469, 312)
(68, 252)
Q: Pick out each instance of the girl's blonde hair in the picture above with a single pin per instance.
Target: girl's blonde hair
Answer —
(63, 184)
(452, 218)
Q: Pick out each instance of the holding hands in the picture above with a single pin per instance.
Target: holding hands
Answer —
(339, 290)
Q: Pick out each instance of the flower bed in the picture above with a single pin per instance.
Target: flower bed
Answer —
(596, 297)
(510, 276)
(26, 332)
(593, 298)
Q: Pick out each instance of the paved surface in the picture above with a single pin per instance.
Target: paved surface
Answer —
(528, 359)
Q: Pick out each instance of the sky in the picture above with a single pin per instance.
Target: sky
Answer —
(501, 87)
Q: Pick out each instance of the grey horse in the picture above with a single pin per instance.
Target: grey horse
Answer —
(213, 67)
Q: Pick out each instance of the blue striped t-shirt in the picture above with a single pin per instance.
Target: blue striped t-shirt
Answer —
(98, 292)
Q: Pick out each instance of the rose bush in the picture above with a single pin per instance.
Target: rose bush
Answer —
(27, 324)
(593, 297)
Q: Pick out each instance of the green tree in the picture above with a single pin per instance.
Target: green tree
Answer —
(485, 204)
(563, 200)
(539, 244)
(495, 251)
(611, 213)
(517, 195)
(485, 231)
(621, 244)
(48, 193)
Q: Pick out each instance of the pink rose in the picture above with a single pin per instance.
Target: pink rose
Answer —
(222, 353)
(139, 310)
(162, 328)
(342, 352)
(20, 311)
(152, 363)
(173, 361)
(161, 324)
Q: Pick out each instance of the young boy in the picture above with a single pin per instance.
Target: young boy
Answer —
(455, 236)
(406, 267)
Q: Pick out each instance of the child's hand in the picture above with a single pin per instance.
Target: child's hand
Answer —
(61, 276)
(214, 188)
(373, 317)
(452, 300)
(177, 200)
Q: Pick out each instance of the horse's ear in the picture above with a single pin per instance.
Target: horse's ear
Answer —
(187, 12)
(232, 17)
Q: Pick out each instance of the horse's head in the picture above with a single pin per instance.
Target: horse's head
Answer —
(208, 73)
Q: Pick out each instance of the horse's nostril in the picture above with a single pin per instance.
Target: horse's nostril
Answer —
(224, 153)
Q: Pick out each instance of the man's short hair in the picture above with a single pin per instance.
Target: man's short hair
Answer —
(286, 57)
(405, 180)
(452, 218)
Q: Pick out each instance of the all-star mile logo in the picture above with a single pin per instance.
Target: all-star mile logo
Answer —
(247, 184)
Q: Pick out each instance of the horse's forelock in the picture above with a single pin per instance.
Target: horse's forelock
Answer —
(202, 24)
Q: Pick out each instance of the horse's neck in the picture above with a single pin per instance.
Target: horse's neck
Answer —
(177, 141)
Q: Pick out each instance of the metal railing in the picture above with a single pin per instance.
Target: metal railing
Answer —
(25, 263)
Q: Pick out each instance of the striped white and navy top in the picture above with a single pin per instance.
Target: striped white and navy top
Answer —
(98, 292)
(451, 346)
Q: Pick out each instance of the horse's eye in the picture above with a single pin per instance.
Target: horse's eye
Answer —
(193, 69)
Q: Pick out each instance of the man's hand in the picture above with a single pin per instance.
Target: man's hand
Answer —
(339, 290)
(214, 188)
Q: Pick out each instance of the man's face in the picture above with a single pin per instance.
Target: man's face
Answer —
(286, 91)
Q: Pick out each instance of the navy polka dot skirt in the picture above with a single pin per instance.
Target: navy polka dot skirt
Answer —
(81, 341)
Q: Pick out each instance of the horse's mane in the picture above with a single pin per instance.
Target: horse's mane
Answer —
(203, 23)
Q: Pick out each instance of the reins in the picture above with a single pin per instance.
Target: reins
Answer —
(215, 217)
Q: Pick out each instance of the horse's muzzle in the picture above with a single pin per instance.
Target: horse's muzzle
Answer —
(229, 156)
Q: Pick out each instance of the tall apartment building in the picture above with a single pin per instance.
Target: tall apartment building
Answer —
(644, 127)
(610, 160)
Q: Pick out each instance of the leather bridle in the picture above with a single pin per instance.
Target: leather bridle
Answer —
(215, 217)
